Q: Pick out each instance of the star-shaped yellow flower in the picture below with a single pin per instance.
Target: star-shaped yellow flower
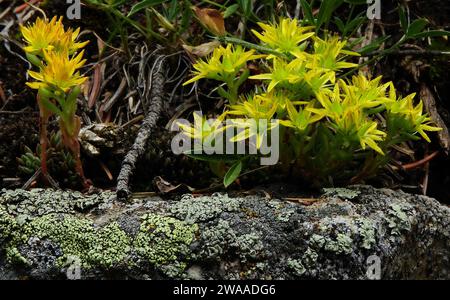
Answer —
(59, 71)
(45, 35)
(224, 64)
(284, 37)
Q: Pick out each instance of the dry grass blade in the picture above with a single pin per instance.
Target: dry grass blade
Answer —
(2, 93)
(95, 91)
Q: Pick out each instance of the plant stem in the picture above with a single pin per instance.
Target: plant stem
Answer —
(43, 140)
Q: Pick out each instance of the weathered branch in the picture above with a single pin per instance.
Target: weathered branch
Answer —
(354, 233)
(148, 125)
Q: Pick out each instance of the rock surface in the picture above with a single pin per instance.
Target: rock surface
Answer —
(354, 233)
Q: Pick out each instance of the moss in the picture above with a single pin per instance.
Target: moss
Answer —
(77, 237)
(194, 210)
(165, 241)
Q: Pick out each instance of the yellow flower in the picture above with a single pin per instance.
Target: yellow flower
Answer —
(203, 130)
(347, 118)
(69, 41)
(258, 107)
(283, 73)
(328, 54)
(46, 35)
(295, 75)
(59, 71)
(223, 64)
(254, 130)
(334, 106)
(413, 115)
(284, 37)
(369, 135)
(302, 118)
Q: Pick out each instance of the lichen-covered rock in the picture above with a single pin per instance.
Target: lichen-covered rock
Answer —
(354, 233)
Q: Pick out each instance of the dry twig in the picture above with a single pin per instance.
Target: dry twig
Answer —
(155, 105)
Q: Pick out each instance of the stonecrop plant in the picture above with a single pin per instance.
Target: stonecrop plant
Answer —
(57, 57)
(330, 127)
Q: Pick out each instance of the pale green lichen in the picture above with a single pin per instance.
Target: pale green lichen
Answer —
(366, 230)
(39, 202)
(249, 245)
(77, 237)
(216, 239)
(309, 258)
(13, 254)
(317, 241)
(342, 244)
(282, 213)
(398, 219)
(301, 266)
(296, 266)
(261, 266)
(165, 241)
(285, 215)
(342, 193)
(8, 224)
(9, 235)
(47, 214)
(348, 231)
(193, 210)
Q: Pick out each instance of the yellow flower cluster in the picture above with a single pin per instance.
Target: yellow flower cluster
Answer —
(58, 72)
(327, 121)
(54, 52)
(223, 65)
(45, 35)
(284, 37)
(53, 49)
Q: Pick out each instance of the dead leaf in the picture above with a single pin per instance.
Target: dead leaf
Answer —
(303, 201)
(212, 19)
(107, 171)
(96, 85)
(202, 50)
(166, 187)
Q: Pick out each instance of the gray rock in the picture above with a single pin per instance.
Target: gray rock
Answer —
(355, 233)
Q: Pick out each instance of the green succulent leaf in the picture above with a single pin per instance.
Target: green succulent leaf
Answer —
(232, 174)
